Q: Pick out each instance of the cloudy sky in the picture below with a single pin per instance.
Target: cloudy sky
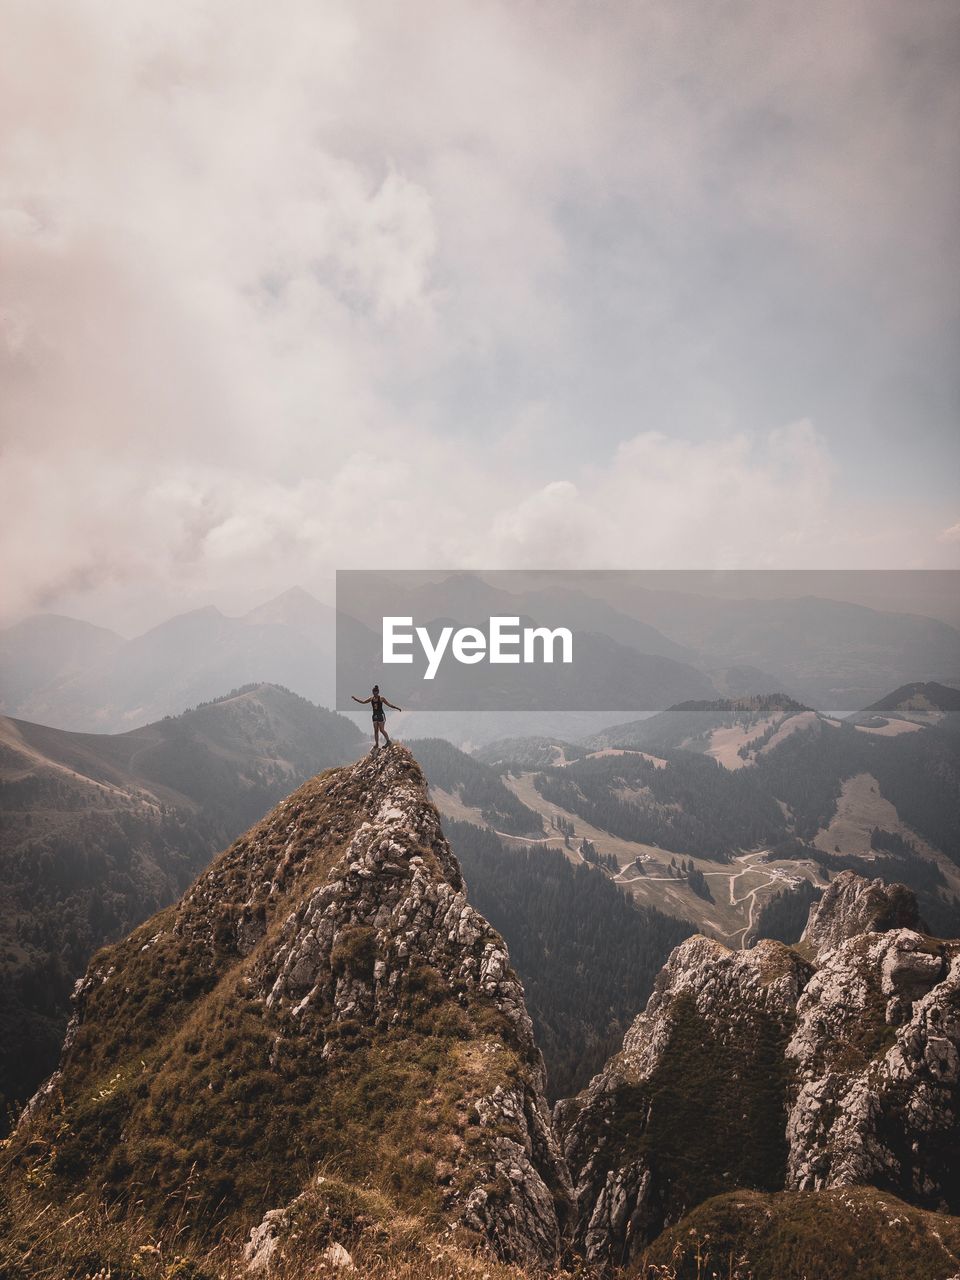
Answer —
(309, 285)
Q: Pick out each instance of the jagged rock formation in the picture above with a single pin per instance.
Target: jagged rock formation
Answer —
(324, 995)
(759, 1070)
(877, 1057)
(694, 1103)
(851, 905)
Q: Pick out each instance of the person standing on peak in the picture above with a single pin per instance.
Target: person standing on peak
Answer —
(378, 702)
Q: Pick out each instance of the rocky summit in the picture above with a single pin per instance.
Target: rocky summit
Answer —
(835, 1064)
(851, 905)
(323, 1001)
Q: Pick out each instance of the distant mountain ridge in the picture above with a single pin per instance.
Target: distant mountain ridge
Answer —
(46, 650)
(691, 723)
(927, 703)
(938, 695)
(828, 653)
(188, 659)
(651, 649)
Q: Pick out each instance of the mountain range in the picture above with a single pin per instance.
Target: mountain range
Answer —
(73, 675)
(830, 652)
(917, 704)
(649, 650)
(731, 820)
(320, 1060)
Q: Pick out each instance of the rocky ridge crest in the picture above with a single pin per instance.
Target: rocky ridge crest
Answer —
(323, 993)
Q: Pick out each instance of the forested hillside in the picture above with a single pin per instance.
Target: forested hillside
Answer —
(530, 753)
(919, 773)
(476, 785)
(588, 955)
(774, 791)
(691, 806)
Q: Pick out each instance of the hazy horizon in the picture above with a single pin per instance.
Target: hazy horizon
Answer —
(931, 594)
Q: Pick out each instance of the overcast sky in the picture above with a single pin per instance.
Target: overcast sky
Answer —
(309, 285)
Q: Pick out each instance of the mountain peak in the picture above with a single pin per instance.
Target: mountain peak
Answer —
(182, 625)
(294, 607)
(924, 703)
(323, 996)
(57, 624)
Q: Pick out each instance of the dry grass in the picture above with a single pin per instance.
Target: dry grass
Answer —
(740, 1235)
(81, 1241)
(816, 1235)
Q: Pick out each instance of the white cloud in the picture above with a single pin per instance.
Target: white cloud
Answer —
(302, 286)
(732, 503)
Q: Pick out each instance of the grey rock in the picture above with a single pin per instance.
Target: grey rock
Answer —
(852, 905)
(877, 1097)
(259, 1251)
(731, 1001)
(855, 1058)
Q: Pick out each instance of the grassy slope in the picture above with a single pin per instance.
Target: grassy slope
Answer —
(177, 1098)
(818, 1235)
(100, 830)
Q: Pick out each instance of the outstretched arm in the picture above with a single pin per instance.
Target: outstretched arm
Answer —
(392, 706)
(361, 700)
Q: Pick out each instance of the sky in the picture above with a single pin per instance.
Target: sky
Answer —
(306, 286)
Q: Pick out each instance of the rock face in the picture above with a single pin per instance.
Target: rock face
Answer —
(852, 905)
(695, 1102)
(324, 995)
(877, 1057)
(761, 1071)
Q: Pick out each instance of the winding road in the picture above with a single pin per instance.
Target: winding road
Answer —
(675, 903)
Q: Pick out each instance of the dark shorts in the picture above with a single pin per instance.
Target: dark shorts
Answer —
(379, 719)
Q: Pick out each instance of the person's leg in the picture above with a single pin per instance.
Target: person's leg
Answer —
(376, 734)
(383, 730)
